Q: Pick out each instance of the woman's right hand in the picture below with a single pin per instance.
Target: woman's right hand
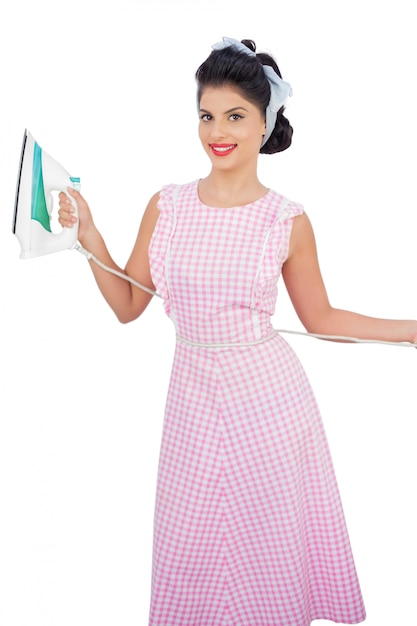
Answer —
(67, 217)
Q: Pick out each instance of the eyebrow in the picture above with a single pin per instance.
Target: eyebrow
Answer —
(229, 111)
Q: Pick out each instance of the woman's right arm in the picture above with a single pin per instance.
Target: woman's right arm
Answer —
(126, 300)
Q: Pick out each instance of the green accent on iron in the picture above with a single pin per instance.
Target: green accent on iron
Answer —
(39, 208)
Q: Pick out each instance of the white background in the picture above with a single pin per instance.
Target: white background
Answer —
(107, 88)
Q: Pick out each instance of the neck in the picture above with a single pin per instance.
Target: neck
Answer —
(229, 189)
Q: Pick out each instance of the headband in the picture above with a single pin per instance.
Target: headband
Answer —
(280, 90)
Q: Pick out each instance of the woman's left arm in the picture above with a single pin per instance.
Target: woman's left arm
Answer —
(304, 282)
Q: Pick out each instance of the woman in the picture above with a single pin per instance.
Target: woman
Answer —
(249, 527)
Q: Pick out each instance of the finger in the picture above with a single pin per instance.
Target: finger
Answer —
(66, 217)
(66, 223)
(77, 197)
(74, 193)
(64, 201)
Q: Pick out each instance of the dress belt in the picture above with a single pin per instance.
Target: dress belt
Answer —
(232, 344)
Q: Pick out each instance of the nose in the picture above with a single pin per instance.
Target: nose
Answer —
(218, 129)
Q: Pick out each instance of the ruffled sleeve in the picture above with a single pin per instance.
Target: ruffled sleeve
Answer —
(160, 240)
(275, 253)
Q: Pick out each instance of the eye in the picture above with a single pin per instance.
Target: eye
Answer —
(205, 117)
(235, 116)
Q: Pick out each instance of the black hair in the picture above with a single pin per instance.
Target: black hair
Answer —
(229, 66)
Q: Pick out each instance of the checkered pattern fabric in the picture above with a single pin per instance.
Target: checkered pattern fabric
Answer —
(249, 528)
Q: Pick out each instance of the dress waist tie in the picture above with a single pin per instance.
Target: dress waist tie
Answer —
(232, 344)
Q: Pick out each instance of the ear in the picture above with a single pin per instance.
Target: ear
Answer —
(263, 130)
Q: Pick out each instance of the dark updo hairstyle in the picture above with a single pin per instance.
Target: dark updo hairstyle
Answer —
(229, 66)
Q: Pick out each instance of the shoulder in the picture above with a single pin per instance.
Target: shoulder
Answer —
(302, 235)
(170, 194)
(150, 215)
(283, 207)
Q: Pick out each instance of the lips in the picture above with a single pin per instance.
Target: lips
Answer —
(222, 149)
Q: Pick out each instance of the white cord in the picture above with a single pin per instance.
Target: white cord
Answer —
(400, 344)
(90, 256)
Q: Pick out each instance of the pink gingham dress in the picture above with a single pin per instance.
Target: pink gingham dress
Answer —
(249, 528)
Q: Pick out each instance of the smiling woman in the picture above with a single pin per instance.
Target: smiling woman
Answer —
(249, 526)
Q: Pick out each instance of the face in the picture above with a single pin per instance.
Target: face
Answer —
(231, 128)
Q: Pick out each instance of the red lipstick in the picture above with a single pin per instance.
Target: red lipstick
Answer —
(222, 149)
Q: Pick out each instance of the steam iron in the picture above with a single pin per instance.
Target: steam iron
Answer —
(38, 176)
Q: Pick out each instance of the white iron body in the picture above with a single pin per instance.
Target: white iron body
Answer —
(39, 175)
